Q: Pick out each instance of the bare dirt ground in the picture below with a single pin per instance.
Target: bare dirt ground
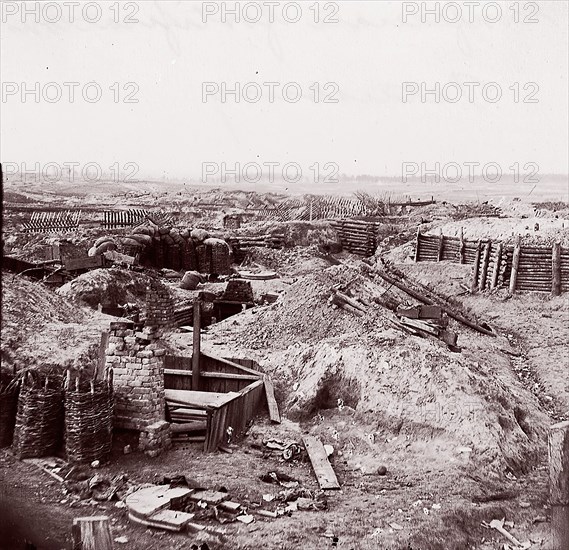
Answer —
(462, 435)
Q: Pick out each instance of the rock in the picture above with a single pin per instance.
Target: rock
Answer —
(381, 471)
(95, 464)
(127, 449)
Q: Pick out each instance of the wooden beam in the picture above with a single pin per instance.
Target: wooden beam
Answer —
(196, 346)
(556, 269)
(485, 260)
(496, 272)
(441, 245)
(461, 247)
(558, 450)
(231, 363)
(274, 414)
(322, 468)
(515, 265)
(206, 374)
(476, 271)
(92, 533)
(425, 300)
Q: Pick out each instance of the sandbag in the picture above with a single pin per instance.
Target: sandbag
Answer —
(131, 242)
(199, 234)
(145, 230)
(105, 247)
(190, 280)
(102, 240)
(145, 240)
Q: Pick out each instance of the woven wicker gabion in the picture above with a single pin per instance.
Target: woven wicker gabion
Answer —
(220, 260)
(88, 421)
(39, 420)
(8, 409)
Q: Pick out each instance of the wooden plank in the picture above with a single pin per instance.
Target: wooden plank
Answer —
(420, 325)
(274, 414)
(231, 364)
(558, 450)
(196, 346)
(205, 374)
(89, 262)
(92, 533)
(199, 399)
(322, 468)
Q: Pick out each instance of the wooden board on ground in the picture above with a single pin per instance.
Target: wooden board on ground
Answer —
(199, 399)
(274, 414)
(322, 468)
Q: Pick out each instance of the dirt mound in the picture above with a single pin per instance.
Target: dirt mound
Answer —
(303, 312)
(286, 262)
(114, 286)
(460, 407)
(40, 328)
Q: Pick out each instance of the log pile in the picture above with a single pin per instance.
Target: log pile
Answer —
(525, 268)
(356, 236)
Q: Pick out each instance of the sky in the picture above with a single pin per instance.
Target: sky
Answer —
(361, 60)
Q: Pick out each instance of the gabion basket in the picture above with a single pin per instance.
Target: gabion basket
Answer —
(88, 419)
(220, 261)
(8, 409)
(39, 420)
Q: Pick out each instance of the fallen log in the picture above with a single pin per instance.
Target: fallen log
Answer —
(449, 311)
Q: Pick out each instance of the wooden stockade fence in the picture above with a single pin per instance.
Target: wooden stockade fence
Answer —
(44, 222)
(330, 207)
(517, 266)
(113, 219)
(358, 237)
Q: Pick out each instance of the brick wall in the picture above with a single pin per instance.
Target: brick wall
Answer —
(159, 308)
(138, 374)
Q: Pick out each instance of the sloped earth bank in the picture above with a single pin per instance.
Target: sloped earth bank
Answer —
(43, 329)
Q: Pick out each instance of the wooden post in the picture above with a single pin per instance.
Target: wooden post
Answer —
(485, 260)
(474, 284)
(461, 247)
(558, 450)
(496, 272)
(515, 264)
(556, 269)
(92, 533)
(417, 244)
(196, 346)
(441, 243)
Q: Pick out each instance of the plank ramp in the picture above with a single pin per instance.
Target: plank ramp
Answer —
(322, 468)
